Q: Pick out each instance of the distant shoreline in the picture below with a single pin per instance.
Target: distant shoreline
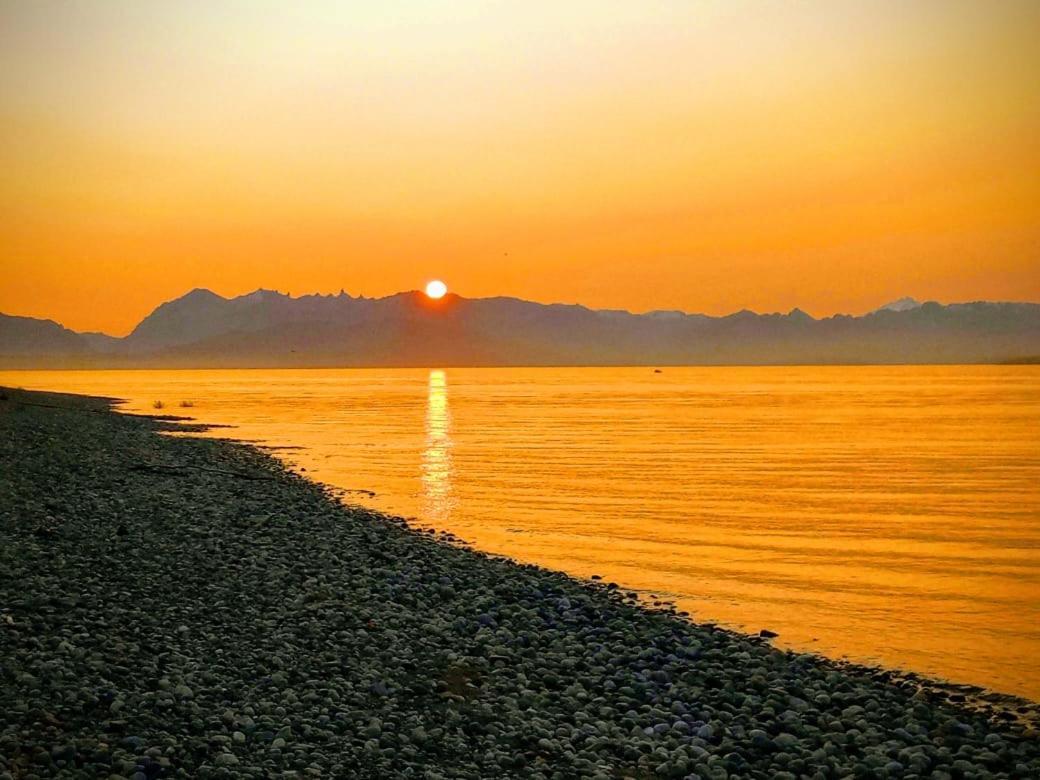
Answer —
(267, 329)
(1026, 361)
(191, 603)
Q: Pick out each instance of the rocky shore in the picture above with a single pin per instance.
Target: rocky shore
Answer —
(184, 607)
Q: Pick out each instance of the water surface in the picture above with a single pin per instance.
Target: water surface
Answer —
(885, 514)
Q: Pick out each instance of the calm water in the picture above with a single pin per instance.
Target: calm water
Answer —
(886, 514)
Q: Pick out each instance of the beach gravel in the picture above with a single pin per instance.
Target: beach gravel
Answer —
(186, 607)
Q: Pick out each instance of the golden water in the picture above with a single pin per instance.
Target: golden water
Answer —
(886, 514)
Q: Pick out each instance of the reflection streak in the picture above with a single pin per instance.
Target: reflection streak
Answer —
(436, 459)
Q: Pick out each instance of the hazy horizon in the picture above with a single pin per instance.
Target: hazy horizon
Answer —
(432, 328)
(453, 293)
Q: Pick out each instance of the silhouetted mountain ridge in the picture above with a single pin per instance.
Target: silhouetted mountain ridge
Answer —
(268, 328)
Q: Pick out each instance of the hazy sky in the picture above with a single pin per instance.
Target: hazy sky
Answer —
(699, 155)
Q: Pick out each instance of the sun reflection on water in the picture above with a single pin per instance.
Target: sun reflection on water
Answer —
(436, 459)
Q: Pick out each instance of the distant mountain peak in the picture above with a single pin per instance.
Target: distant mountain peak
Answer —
(905, 303)
(169, 321)
(200, 293)
(743, 314)
(261, 294)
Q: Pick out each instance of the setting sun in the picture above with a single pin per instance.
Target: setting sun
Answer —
(436, 289)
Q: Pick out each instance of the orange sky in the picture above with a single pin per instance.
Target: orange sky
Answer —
(705, 156)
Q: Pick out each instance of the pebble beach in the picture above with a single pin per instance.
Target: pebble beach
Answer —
(174, 606)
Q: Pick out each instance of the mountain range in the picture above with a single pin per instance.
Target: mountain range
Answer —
(270, 329)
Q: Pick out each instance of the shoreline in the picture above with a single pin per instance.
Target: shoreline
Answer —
(1017, 362)
(356, 644)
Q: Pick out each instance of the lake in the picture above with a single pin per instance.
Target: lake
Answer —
(885, 514)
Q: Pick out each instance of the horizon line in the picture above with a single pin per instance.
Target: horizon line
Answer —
(454, 295)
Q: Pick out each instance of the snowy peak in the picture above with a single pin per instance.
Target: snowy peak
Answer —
(903, 304)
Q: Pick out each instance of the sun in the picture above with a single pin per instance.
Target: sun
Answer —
(436, 289)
